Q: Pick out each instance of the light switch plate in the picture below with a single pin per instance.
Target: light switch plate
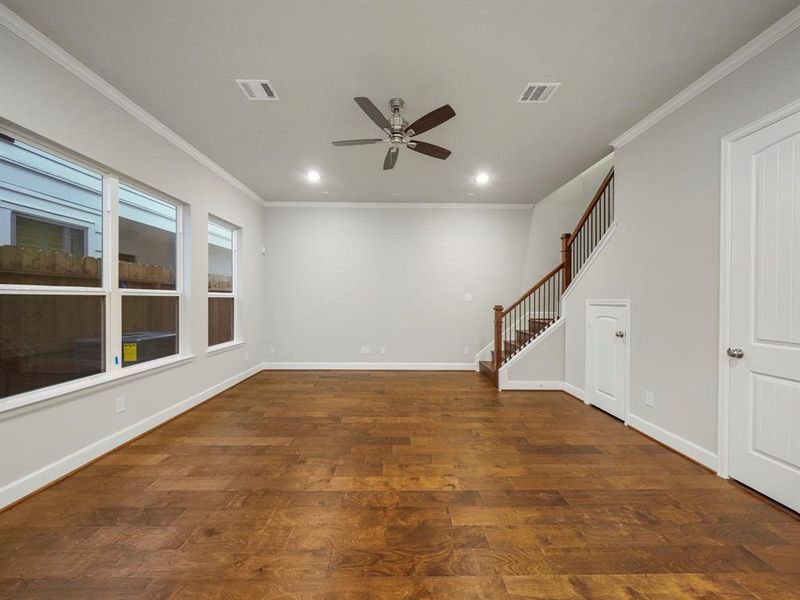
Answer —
(468, 297)
(649, 399)
(121, 405)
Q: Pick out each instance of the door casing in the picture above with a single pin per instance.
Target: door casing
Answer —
(725, 272)
(626, 304)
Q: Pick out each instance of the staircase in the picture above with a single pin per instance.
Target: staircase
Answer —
(537, 309)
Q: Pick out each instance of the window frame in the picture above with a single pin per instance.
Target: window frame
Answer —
(178, 292)
(109, 281)
(235, 286)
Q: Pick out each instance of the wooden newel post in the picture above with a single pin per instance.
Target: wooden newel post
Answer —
(498, 337)
(566, 257)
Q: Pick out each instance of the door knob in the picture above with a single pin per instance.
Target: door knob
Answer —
(620, 334)
(735, 352)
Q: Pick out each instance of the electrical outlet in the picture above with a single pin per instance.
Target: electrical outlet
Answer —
(466, 350)
(383, 349)
(649, 400)
(246, 356)
(366, 350)
(272, 349)
(120, 402)
(467, 297)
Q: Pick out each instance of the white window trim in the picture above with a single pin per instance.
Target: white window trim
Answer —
(109, 288)
(237, 340)
(178, 292)
(83, 384)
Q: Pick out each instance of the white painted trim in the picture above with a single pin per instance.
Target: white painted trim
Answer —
(725, 273)
(224, 347)
(574, 391)
(11, 21)
(367, 366)
(682, 445)
(773, 34)
(414, 205)
(589, 261)
(62, 391)
(28, 484)
(625, 303)
(556, 386)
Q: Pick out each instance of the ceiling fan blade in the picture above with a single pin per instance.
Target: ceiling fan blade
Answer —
(431, 120)
(429, 149)
(391, 158)
(372, 112)
(356, 142)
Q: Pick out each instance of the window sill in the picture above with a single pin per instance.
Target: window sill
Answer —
(64, 390)
(220, 348)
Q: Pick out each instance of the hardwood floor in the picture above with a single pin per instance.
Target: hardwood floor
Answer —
(396, 485)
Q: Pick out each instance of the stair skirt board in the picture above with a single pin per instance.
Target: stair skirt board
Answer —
(367, 366)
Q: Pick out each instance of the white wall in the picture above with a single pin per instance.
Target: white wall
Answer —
(556, 214)
(664, 255)
(43, 441)
(342, 278)
(540, 364)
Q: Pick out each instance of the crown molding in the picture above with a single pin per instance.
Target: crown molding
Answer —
(415, 205)
(757, 45)
(25, 31)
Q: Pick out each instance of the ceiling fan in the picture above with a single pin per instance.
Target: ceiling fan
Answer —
(399, 132)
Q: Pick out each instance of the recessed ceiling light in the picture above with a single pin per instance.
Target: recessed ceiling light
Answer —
(482, 178)
(313, 176)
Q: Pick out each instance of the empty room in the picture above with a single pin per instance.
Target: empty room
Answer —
(399, 300)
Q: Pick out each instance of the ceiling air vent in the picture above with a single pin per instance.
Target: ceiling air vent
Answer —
(538, 92)
(257, 89)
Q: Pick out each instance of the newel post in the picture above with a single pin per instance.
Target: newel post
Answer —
(498, 337)
(566, 257)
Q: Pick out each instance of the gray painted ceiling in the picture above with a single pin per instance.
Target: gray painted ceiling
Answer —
(617, 61)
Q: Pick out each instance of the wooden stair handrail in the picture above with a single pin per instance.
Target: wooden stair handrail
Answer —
(592, 204)
(538, 284)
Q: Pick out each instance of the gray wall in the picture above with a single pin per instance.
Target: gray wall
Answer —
(664, 256)
(556, 214)
(41, 96)
(342, 278)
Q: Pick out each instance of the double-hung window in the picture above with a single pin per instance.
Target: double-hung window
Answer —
(68, 312)
(148, 275)
(53, 284)
(222, 282)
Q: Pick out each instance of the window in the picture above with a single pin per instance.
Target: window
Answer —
(148, 260)
(148, 230)
(221, 282)
(65, 313)
(52, 304)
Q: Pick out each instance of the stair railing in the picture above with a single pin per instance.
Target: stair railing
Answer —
(540, 306)
(576, 247)
(529, 316)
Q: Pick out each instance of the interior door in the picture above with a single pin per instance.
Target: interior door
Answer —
(764, 434)
(606, 356)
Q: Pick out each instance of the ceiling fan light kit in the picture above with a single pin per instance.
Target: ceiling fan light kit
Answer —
(399, 133)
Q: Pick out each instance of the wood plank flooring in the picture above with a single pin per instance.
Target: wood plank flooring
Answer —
(401, 486)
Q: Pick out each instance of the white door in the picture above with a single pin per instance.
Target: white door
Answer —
(764, 442)
(606, 356)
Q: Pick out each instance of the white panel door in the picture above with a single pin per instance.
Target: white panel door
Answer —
(765, 311)
(606, 356)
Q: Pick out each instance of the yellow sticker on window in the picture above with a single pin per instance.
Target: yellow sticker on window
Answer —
(129, 352)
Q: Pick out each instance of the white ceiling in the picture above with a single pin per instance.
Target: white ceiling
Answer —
(617, 61)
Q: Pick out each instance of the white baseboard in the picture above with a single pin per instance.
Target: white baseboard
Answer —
(533, 385)
(31, 482)
(684, 446)
(574, 391)
(368, 366)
